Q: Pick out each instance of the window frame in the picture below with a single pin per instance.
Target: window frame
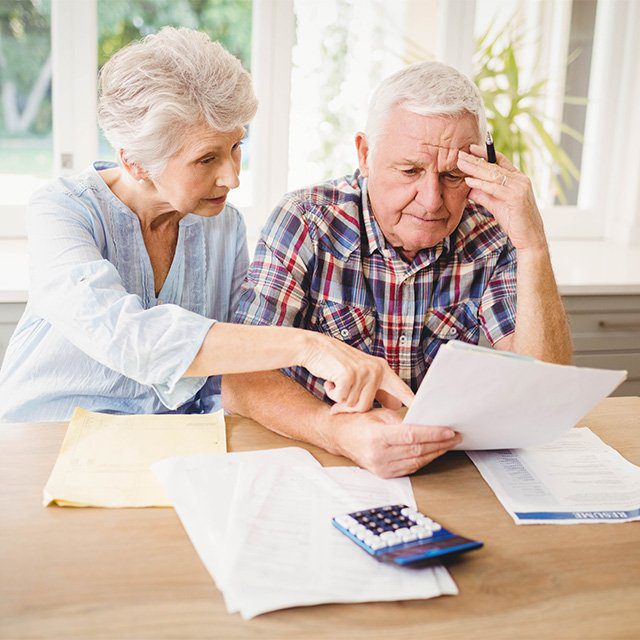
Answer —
(74, 60)
(614, 212)
(607, 208)
(615, 68)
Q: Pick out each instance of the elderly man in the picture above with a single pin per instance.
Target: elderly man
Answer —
(416, 248)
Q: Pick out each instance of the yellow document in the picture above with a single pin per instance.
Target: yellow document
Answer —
(104, 459)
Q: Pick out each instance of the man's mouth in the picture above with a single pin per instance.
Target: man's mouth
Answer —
(425, 220)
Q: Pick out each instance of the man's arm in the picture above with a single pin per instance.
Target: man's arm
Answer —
(376, 440)
(542, 329)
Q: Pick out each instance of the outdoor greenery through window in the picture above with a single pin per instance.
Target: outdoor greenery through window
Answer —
(26, 148)
(540, 66)
(26, 156)
(535, 90)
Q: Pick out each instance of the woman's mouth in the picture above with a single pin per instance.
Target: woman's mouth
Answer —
(219, 200)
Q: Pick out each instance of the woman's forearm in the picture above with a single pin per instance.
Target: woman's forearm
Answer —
(352, 377)
(238, 348)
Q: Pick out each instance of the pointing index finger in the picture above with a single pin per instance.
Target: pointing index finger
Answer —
(392, 384)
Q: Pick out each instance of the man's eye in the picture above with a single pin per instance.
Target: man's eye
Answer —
(207, 160)
(237, 145)
(410, 172)
(452, 177)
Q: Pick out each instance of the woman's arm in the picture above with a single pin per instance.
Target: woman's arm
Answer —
(82, 295)
(353, 377)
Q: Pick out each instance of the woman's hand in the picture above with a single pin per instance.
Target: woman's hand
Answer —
(507, 193)
(353, 379)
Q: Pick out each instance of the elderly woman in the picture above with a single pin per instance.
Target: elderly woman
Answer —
(136, 269)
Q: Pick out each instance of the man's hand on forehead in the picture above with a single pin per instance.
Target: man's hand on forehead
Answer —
(507, 193)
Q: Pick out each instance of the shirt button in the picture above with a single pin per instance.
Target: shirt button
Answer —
(403, 339)
(160, 301)
(453, 331)
(344, 333)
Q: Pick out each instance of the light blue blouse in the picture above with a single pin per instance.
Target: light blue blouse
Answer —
(94, 334)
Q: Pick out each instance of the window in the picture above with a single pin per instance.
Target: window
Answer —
(26, 158)
(584, 56)
(343, 49)
(563, 48)
(533, 63)
(314, 64)
(44, 133)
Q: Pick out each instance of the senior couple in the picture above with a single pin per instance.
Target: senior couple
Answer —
(140, 298)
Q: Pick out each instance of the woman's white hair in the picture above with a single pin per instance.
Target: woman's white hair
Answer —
(151, 91)
(428, 89)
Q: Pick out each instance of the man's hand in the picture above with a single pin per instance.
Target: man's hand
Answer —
(542, 330)
(378, 441)
(508, 194)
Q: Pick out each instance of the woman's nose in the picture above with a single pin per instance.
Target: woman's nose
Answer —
(228, 176)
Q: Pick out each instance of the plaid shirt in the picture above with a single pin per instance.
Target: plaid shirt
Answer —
(322, 263)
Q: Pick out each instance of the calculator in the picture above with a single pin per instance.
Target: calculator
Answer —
(401, 535)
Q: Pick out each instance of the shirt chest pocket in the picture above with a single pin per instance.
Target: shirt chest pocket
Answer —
(457, 322)
(353, 325)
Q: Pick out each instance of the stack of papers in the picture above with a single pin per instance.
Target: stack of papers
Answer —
(104, 459)
(576, 479)
(500, 400)
(261, 523)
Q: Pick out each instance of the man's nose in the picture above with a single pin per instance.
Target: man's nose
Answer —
(429, 194)
(228, 176)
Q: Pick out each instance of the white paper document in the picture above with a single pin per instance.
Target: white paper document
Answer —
(575, 479)
(499, 400)
(261, 523)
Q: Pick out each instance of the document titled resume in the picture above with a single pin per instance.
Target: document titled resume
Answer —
(575, 479)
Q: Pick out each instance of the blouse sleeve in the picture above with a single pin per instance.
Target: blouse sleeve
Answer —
(82, 296)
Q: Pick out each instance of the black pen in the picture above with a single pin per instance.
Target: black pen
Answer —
(491, 151)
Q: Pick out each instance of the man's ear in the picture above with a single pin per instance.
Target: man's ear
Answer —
(362, 147)
(133, 169)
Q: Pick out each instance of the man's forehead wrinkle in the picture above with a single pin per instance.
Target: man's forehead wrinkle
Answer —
(438, 147)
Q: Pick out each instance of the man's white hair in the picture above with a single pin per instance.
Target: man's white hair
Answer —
(151, 91)
(428, 89)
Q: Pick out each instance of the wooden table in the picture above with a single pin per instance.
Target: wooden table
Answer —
(132, 573)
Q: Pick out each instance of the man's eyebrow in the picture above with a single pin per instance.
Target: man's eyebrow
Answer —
(413, 163)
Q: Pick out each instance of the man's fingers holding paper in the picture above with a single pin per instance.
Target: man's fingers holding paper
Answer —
(408, 434)
(410, 465)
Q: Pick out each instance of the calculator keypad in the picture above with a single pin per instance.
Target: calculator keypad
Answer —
(402, 535)
(389, 526)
